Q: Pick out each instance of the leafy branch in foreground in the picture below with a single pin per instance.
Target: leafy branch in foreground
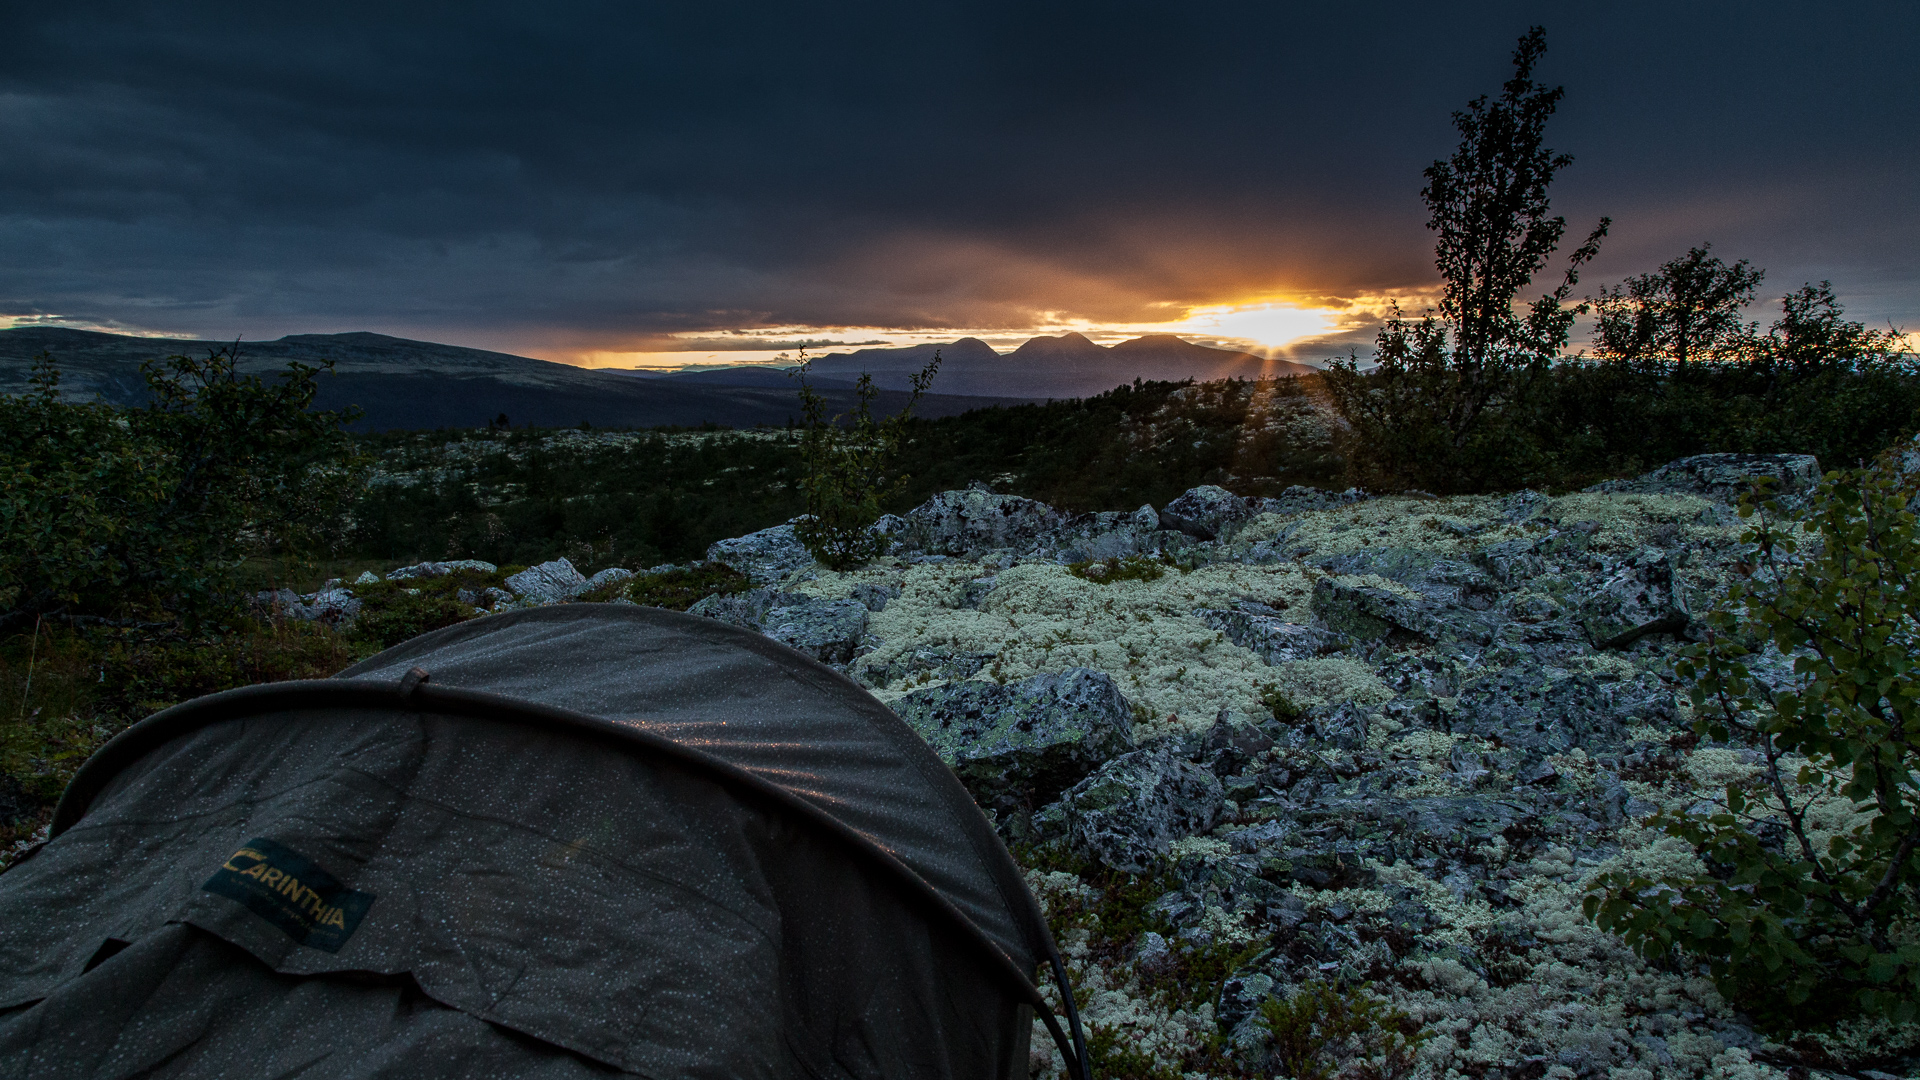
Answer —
(1808, 911)
(846, 470)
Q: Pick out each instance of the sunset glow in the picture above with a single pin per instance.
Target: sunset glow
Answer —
(1265, 327)
(1269, 325)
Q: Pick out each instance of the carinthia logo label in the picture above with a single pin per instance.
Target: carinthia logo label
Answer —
(291, 892)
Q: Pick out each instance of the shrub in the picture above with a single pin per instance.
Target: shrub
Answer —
(1111, 569)
(1323, 1030)
(129, 514)
(846, 471)
(394, 611)
(1809, 909)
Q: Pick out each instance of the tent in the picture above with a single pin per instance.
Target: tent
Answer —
(578, 840)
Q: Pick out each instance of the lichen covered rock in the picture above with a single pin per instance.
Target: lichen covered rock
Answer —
(767, 557)
(975, 520)
(1639, 597)
(1018, 746)
(830, 631)
(1129, 811)
(548, 583)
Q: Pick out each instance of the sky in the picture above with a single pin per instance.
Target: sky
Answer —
(622, 184)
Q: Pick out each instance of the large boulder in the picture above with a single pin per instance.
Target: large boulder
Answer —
(1016, 747)
(1214, 509)
(830, 631)
(1726, 477)
(976, 520)
(548, 583)
(1130, 810)
(1641, 595)
(767, 557)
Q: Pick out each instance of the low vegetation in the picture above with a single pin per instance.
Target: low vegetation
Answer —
(1808, 911)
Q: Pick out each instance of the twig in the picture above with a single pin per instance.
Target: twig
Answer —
(33, 654)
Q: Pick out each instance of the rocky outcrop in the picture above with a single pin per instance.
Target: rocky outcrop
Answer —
(767, 557)
(830, 631)
(1726, 477)
(1017, 746)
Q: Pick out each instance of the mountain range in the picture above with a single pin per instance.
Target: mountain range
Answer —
(412, 385)
(1068, 366)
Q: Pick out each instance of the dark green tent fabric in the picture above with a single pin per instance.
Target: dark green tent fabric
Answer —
(593, 838)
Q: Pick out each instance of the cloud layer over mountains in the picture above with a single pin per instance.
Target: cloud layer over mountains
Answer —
(549, 178)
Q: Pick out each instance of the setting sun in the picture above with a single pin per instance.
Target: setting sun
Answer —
(1271, 325)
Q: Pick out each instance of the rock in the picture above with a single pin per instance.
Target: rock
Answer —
(1541, 710)
(976, 591)
(1343, 725)
(1641, 596)
(1238, 1010)
(281, 602)
(1523, 506)
(1299, 500)
(1105, 535)
(1173, 522)
(973, 521)
(1539, 773)
(334, 604)
(1017, 747)
(828, 630)
(1512, 561)
(767, 557)
(875, 597)
(745, 609)
(1372, 613)
(1128, 811)
(1233, 740)
(548, 583)
(367, 577)
(895, 530)
(609, 576)
(1265, 633)
(1151, 955)
(931, 662)
(1726, 477)
(1215, 510)
(440, 569)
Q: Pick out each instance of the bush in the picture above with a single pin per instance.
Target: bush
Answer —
(1809, 909)
(1113, 569)
(846, 471)
(146, 513)
(1323, 1031)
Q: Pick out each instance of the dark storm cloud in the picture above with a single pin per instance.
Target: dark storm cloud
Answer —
(578, 175)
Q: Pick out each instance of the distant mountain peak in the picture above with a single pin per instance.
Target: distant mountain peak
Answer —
(351, 337)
